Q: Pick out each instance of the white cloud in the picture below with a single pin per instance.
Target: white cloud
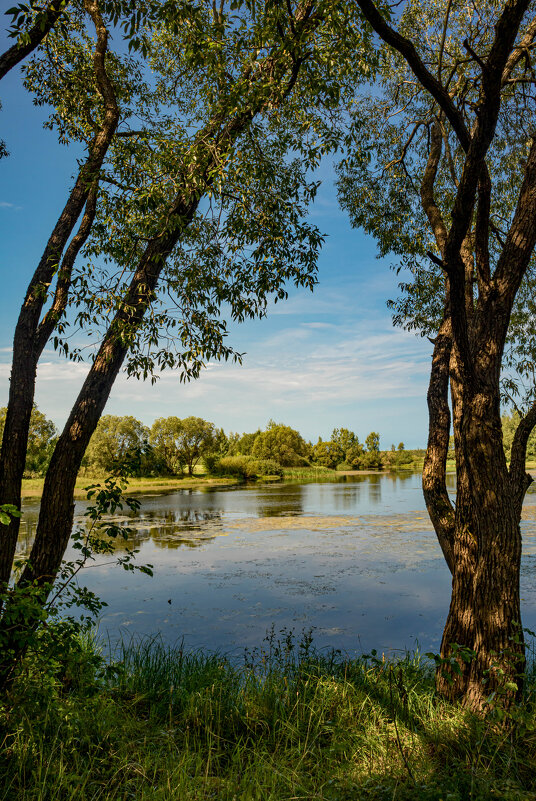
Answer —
(312, 375)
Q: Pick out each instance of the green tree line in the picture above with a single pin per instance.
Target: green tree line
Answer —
(173, 446)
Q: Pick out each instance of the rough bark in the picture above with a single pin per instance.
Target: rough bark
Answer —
(31, 335)
(481, 538)
(484, 614)
(434, 481)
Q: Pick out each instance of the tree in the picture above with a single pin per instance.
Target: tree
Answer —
(344, 438)
(116, 441)
(242, 445)
(193, 439)
(282, 444)
(42, 437)
(328, 454)
(372, 442)
(371, 458)
(165, 440)
(197, 208)
(443, 173)
(354, 456)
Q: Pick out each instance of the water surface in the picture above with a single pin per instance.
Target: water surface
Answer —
(355, 560)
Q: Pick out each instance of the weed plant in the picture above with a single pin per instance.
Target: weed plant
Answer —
(287, 721)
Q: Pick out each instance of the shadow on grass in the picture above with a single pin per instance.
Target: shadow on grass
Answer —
(288, 722)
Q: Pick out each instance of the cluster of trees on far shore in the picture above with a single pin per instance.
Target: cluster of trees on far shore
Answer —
(174, 446)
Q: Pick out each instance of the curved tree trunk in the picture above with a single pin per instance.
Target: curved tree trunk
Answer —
(32, 333)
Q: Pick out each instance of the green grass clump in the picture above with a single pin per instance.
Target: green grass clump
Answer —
(315, 473)
(247, 467)
(286, 722)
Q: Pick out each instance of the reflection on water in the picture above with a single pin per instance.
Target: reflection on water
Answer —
(355, 559)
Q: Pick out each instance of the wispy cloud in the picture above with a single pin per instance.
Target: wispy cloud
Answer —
(5, 205)
(313, 375)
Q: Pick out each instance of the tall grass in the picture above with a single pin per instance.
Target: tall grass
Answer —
(310, 473)
(286, 722)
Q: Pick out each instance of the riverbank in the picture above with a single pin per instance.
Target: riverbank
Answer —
(287, 723)
(33, 487)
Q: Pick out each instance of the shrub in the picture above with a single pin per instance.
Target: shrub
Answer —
(212, 462)
(267, 467)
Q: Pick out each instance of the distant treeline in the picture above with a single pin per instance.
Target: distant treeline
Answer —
(174, 446)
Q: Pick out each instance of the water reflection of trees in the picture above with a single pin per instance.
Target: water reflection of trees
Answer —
(349, 497)
(280, 501)
(173, 528)
(190, 518)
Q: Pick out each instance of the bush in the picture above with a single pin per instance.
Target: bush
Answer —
(212, 462)
(248, 467)
(344, 466)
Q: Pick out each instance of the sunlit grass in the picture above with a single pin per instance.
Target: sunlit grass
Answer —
(287, 722)
(33, 487)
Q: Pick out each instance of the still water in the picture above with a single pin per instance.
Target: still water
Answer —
(357, 561)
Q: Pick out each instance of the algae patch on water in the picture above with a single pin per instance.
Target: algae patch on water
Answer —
(410, 520)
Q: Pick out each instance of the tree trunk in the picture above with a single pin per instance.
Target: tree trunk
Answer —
(31, 335)
(484, 615)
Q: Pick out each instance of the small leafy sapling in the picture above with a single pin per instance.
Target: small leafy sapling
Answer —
(51, 632)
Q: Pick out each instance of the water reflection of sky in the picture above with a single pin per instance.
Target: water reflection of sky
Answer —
(356, 560)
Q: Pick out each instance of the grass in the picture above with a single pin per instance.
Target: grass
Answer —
(33, 487)
(286, 723)
(309, 473)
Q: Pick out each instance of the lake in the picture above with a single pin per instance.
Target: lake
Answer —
(356, 560)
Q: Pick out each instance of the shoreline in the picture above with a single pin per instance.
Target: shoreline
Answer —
(32, 488)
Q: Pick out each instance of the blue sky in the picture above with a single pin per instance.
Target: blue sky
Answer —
(317, 361)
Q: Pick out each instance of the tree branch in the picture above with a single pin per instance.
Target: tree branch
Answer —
(434, 483)
(519, 478)
(521, 237)
(406, 48)
(506, 30)
(43, 24)
(428, 200)
(482, 233)
(518, 52)
(63, 285)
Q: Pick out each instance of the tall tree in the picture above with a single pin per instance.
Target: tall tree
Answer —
(194, 439)
(191, 199)
(165, 441)
(328, 454)
(443, 173)
(282, 444)
(115, 440)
